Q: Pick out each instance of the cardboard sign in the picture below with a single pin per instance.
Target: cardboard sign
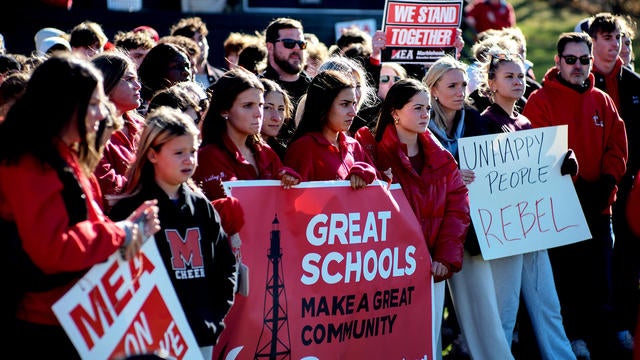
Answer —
(124, 308)
(420, 31)
(519, 200)
(335, 273)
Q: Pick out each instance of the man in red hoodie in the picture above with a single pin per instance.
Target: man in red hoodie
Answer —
(582, 270)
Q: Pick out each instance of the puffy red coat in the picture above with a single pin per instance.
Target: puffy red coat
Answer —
(437, 195)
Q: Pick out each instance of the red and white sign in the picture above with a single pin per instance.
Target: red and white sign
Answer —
(124, 308)
(427, 13)
(519, 200)
(420, 31)
(335, 273)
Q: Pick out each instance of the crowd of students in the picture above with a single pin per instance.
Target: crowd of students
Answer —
(149, 129)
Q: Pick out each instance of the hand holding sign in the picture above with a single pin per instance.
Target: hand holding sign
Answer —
(421, 32)
(519, 201)
(139, 226)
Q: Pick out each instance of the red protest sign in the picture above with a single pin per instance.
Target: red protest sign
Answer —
(434, 14)
(122, 308)
(420, 32)
(334, 273)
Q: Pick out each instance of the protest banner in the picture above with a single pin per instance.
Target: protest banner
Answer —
(121, 308)
(334, 273)
(420, 31)
(519, 200)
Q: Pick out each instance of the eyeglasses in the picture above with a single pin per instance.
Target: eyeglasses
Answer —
(571, 59)
(385, 78)
(291, 43)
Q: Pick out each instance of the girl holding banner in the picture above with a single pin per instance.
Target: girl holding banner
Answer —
(232, 148)
(472, 288)
(330, 107)
(430, 180)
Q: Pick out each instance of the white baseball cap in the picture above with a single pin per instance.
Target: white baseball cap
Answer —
(48, 43)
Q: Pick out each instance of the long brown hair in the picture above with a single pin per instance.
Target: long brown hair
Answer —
(223, 93)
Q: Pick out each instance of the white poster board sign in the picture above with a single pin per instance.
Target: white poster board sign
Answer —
(121, 308)
(519, 200)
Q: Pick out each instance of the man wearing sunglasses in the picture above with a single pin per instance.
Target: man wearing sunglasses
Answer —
(623, 85)
(286, 51)
(286, 46)
(597, 135)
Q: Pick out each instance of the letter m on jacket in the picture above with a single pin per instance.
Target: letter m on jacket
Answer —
(185, 250)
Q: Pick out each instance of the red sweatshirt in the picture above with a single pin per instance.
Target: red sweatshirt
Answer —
(217, 164)
(596, 132)
(316, 159)
(31, 196)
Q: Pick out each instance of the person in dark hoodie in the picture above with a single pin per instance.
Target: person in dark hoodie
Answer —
(194, 247)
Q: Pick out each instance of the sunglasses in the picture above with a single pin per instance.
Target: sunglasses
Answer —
(291, 43)
(385, 78)
(571, 59)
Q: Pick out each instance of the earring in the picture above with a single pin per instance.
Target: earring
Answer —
(435, 98)
(226, 117)
(396, 120)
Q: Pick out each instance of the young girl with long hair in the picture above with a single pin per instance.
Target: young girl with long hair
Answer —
(430, 180)
(195, 250)
(278, 110)
(320, 148)
(528, 274)
(232, 148)
(123, 89)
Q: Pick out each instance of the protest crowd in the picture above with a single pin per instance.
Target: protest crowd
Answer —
(144, 134)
